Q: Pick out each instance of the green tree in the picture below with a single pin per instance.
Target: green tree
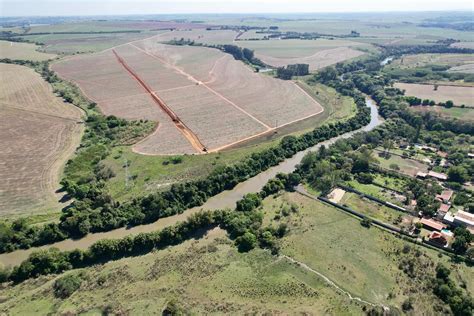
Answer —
(457, 174)
(246, 242)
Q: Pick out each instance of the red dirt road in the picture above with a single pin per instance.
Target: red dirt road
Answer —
(187, 132)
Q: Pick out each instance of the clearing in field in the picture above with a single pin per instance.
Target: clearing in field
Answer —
(458, 94)
(22, 51)
(220, 100)
(407, 166)
(317, 53)
(465, 114)
(458, 62)
(38, 133)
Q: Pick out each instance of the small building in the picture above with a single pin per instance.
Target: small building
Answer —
(438, 238)
(448, 218)
(444, 208)
(470, 155)
(464, 218)
(437, 175)
(432, 224)
(445, 196)
(421, 175)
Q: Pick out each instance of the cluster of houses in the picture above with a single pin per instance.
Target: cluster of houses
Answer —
(446, 220)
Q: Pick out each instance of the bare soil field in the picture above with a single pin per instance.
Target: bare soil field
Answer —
(459, 95)
(38, 133)
(317, 53)
(201, 36)
(218, 98)
(24, 51)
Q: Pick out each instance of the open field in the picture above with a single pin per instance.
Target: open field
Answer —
(362, 261)
(464, 45)
(458, 94)
(466, 114)
(457, 61)
(84, 43)
(206, 276)
(212, 37)
(317, 53)
(158, 172)
(407, 166)
(198, 84)
(24, 51)
(38, 134)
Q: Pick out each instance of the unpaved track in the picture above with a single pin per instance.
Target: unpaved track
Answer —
(187, 132)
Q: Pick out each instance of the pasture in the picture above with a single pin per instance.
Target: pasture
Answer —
(317, 53)
(198, 84)
(203, 276)
(465, 114)
(365, 262)
(421, 60)
(407, 166)
(23, 51)
(38, 133)
(458, 94)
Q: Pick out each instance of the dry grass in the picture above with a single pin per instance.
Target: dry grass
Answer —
(459, 95)
(38, 132)
(24, 51)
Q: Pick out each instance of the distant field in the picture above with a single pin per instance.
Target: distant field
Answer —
(213, 37)
(459, 95)
(466, 114)
(38, 133)
(454, 60)
(317, 53)
(24, 51)
(80, 43)
(217, 97)
(464, 45)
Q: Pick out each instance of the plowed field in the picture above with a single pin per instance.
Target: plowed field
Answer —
(38, 133)
(218, 98)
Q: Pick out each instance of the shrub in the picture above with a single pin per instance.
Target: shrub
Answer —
(67, 285)
(366, 222)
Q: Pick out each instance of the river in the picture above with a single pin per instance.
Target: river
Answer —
(226, 199)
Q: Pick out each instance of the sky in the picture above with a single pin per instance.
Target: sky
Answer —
(118, 7)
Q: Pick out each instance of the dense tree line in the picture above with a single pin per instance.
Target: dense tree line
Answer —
(286, 73)
(444, 287)
(244, 226)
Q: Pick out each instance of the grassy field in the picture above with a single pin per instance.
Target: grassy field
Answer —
(466, 114)
(24, 51)
(376, 191)
(421, 60)
(407, 166)
(371, 209)
(153, 173)
(363, 261)
(38, 133)
(207, 276)
(459, 95)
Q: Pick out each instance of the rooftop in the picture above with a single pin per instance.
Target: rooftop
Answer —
(437, 175)
(465, 217)
(444, 208)
(445, 195)
(432, 223)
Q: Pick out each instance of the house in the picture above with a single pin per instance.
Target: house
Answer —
(470, 155)
(442, 210)
(448, 218)
(445, 196)
(437, 175)
(464, 218)
(432, 224)
(438, 238)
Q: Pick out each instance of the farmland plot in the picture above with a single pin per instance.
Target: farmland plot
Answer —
(458, 94)
(317, 53)
(38, 132)
(219, 99)
(23, 51)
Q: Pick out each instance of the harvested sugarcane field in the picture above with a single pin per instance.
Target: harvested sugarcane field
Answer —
(191, 157)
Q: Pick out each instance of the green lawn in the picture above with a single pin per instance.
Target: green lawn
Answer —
(375, 191)
(407, 166)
